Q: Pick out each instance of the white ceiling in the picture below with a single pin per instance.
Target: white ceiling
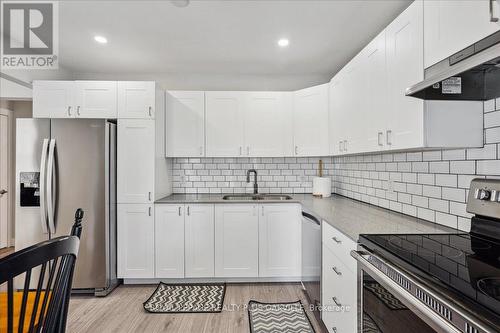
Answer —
(219, 37)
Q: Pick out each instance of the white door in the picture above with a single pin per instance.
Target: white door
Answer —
(310, 121)
(169, 241)
(450, 26)
(199, 238)
(185, 131)
(135, 160)
(404, 37)
(4, 180)
(267, 124)
(96, 99)
(135, 241)
(279, 240)
(224, 123)
(236, 240)
(136, 99)
(53, 99)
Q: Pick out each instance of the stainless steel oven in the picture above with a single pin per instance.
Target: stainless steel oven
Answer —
(393, 300)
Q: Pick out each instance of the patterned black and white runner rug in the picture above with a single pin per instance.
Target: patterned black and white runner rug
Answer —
(186, 298)
(278, 317)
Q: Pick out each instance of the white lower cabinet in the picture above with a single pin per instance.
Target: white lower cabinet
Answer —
(199, 240)
(279, 240)
(135, 241)
(236, 240)
(338, 281)
(169, 241)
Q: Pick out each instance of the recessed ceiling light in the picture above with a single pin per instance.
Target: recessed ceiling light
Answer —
(180, 3)
(283, 42)
(100, 39)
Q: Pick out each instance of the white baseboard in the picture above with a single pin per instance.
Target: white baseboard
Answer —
(213, 280)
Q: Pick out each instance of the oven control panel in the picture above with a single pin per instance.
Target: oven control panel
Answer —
(484, 197)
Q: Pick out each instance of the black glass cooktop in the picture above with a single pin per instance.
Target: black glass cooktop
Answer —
(464, 262)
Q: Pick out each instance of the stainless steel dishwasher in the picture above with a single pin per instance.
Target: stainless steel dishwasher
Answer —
(311, 259)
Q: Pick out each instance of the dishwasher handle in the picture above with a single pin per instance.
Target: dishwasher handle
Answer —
(311, 217)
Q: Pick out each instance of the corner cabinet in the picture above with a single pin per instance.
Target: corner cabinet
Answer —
(450, 26)
(280, 240)
(236, 240)
(185, 124)
(135, 246)
(310, 121)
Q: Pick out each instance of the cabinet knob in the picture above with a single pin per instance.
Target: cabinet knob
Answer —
(150, 111)
(69, 111)
(248, 150)
(296, 150)
(201, 150)
(380, 138)
(149, 211)
(149, 196)
(334, 299)
(336, 270)
(188, 211)
(78, 110)
(334, 329)
(388, 137)
(241, 150)
(336, 240)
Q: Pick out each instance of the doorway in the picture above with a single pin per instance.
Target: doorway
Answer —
(5, 204)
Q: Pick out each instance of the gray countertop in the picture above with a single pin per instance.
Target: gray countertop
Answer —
(348, 216)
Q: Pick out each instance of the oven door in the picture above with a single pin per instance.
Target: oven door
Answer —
(391, 300)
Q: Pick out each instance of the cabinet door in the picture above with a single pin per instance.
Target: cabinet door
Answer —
(224, 123)
(185, 131)
(279, 240)
(96, 99)
(375, 114)
(236, 241)
(310, 121)
(169, 241)
(136, 161)
(450, 26)
(53, 99)
(335, 116)
(199, 238)
(135, 241)
(404, 68)
(267, 124)
(136, 99)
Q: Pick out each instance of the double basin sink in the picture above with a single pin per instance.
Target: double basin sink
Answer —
(243, 197)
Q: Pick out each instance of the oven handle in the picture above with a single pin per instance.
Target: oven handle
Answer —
(411, 301)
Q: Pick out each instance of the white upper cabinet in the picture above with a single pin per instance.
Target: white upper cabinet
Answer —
(169, 241)
(404, 36)
(450, 26)
(199, 241)
(224, 123)
(185, 129)
(279, 240)
(74, 99)
(236, 240)
(267, 124)
(136, 161)
(53, 99)
(310, 121)
(136, 99)
(95, 99)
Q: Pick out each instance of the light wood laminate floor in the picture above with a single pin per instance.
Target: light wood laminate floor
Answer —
(122, 311)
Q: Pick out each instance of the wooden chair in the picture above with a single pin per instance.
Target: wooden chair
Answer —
(51, 263)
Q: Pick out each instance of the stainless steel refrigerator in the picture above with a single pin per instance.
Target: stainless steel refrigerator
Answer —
(62, 165)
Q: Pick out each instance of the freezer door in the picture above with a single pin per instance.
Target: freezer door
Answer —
(80, 181)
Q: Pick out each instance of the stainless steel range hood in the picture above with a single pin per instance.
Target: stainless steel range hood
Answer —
(472, 74)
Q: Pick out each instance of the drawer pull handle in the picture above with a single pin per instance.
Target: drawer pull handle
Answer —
(336, 270)
(336, 240)
(334, 329)
(336, 302)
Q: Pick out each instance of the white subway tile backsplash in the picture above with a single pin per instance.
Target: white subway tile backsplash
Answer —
(463, 167)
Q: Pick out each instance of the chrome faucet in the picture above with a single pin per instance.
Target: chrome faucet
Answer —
(255, 186)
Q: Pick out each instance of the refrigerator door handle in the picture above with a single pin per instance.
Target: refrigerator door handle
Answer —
(51, 187)
(43, 169)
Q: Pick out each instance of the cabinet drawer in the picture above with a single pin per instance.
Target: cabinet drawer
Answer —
(340, 322)
(339, 244)
(338, 282)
